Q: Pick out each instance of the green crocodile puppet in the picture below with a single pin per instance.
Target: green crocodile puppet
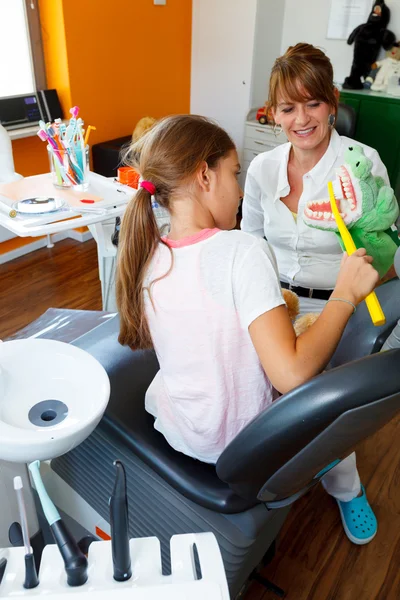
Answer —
(369, 209)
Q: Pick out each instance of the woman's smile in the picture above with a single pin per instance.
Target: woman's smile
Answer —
(303, 133)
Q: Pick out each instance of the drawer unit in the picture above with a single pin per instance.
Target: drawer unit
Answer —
(263, 132)
(259, 146)
(258, 138)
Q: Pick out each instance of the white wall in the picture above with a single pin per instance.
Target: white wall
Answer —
(269, 24)
(222, 57)
(307, 21)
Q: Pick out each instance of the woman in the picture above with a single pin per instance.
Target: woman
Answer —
(279, 183)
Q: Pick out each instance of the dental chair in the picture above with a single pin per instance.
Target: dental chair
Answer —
(277, 458)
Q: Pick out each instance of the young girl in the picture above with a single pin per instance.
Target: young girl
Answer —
(208, 299)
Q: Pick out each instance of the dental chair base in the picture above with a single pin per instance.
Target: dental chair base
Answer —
(147, 582)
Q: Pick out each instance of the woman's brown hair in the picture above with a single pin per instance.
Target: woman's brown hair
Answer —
(302, 73)
(168, 156)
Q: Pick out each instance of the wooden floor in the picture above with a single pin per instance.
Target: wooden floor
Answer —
(315, 561)
(65, 276)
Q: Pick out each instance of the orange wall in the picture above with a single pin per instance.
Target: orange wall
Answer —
(118, 61)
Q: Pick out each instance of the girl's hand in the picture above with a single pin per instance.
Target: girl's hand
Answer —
(357, 277)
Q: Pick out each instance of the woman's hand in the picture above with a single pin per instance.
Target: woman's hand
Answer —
(357, 277)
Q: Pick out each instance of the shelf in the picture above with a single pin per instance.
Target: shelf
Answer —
(23, 132)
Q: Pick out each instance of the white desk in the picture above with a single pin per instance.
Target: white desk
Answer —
(99, 217)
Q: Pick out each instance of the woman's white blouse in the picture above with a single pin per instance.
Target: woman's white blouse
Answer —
(306, 256)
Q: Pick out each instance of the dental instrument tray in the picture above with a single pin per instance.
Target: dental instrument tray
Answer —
(38, 206)
(147, 582)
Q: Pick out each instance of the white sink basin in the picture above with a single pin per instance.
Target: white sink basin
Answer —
(52, 395)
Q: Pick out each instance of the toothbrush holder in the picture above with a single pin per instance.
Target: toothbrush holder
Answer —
(69, 168)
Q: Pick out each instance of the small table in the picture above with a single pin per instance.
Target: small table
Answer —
(111, 201)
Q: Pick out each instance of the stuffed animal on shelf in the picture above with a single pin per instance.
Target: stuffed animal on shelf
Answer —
(369, 209)
(302, 323)
(368, 39)
(368, 81)
(387, 67)
(394, 55)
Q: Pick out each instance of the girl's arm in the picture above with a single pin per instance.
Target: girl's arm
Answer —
(289, 361)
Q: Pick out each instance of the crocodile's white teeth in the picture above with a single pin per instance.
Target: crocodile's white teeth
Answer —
(319, 210)
(347, 188)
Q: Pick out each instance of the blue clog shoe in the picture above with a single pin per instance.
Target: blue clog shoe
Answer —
(358, 519)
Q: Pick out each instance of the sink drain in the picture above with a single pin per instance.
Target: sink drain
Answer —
(48, 413)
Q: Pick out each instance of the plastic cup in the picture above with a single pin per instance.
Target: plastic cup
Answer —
(69, 170)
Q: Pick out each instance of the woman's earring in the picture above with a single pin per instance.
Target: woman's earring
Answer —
(277, 130)
(331, 120)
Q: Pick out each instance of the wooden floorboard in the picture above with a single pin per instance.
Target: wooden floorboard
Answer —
(65, 276)
(314, 560)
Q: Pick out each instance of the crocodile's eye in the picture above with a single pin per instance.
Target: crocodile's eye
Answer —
(358, 164)
(351, 148)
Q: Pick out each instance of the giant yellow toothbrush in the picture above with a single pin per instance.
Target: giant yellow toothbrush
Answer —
(372, 302)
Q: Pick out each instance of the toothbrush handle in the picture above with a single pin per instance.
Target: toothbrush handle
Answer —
(50, 511)
(375, 309)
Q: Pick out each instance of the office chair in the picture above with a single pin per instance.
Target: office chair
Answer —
(346, 119)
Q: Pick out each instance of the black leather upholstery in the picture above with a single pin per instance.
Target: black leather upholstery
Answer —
(346, 120)
(107, 156)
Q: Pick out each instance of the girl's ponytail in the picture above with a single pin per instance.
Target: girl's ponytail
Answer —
(138, 241)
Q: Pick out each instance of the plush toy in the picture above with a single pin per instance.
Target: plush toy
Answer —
(300, 324)
(368, 39)
(386, 68)
(392, 58)
(143, 125)
(369, 209)
(371, 77)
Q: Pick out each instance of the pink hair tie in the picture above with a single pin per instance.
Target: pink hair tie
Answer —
(150, 187)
